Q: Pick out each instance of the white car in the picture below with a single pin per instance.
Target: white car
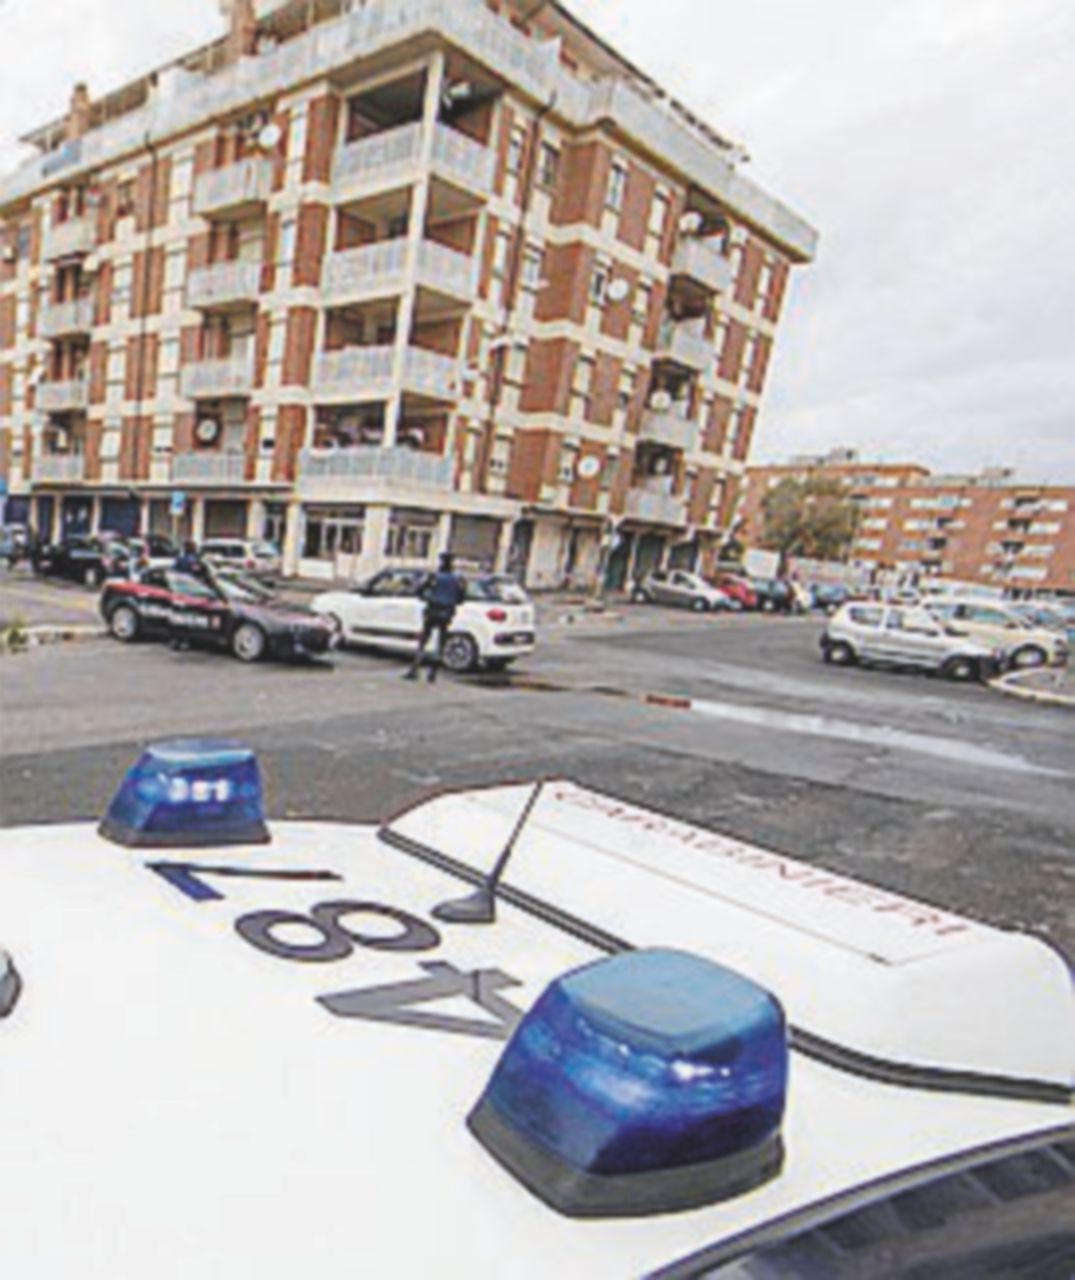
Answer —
(493, 627)
(259, 559)
(894, 636)
(995, 623)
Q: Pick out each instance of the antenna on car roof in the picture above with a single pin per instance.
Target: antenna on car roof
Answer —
(480, 907)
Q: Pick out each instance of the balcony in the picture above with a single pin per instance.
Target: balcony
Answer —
(208, 468)
(391, 159)
(60, 468)
(703, 263)
(683, 342)
(237, 189)
(358, 374)
(63, 397)
(67, 239)
(66, 319)
(331, 473)
(670, 428)
(653, 506)
(377, 270)
(224, 286)
(210, 379)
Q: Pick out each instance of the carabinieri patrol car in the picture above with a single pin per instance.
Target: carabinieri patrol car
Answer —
(516, 1032)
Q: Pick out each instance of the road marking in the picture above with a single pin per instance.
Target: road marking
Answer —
(873, 735)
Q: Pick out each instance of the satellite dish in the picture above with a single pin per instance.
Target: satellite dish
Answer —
(691, 223)
(660, 467)
(618, 290)
(458, 92)
(589, 468)
(207, 431)
(270, 137)
(661, 401)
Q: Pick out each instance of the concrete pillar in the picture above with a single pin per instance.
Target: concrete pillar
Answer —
(294, 533)
(255, 519)
(415, 230)
(374, 537)
(503, 546)
(197, 519)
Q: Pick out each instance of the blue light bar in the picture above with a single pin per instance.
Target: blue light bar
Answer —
(189, 794)
(648, 1083)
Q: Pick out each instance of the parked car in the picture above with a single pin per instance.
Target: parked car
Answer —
(776, 595)
(829, 596)
(736, 588)
(217, 612)
(897, 636)
(494, 626)
(682, 589)
(82, 558)
(995, 623)
(259, 559)
(14, 543)
(1051, 615)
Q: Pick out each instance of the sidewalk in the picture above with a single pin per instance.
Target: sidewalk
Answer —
(1053, 686)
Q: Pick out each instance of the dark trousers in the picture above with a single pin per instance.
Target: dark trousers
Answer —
(435, 626)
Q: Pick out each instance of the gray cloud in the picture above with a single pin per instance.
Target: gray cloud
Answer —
(931, 141)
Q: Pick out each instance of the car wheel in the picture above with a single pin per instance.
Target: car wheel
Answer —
(639, 596)
(336, 623)
(93, 576)
(124, 623)
(699, 606)
(768, 606)
(963, 670)
(460, 654)
(840, 654)
(248, 643)
(1029, 656)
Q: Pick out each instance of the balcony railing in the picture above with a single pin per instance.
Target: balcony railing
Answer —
(355, 372)
(402, 466)
(684, 343)
(703, 263)
(655, 508)
(391, 158)
(207, 379)
(378, 269)
(60, 467)
(59, 319)
(462, 159)
(371, 270)
(63, 397)
(223, 285)
(209, 468)
(670, 428)
(365, 373)
(238, 186)
(64, 239)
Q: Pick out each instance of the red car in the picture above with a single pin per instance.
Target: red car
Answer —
(739, 589)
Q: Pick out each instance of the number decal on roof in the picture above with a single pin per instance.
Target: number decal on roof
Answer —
(394, 1001)
(188, 877)
(336, 942)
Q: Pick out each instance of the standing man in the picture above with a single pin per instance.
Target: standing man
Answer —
(442, 593)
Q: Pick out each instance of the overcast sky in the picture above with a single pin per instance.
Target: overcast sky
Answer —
(932, 142)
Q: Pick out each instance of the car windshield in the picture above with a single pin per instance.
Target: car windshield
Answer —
(242, 590)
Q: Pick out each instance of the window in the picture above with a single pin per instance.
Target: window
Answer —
(500, 253)
(659, 215)
(599, 285)
(410, 534)
(533, 268)
(394, 583)
(333, 531)
(866, 617)
(125, 200)
(23, 239)
(617, 187)
(516, 147)
(548, 166)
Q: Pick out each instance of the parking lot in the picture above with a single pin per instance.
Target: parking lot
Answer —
(947, 792)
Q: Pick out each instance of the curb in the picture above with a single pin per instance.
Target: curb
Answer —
(1009, 687)
(542, 684)
(73, 634)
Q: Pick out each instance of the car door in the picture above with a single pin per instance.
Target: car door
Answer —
(197, 612)
(386, 612)
(660, 588)
(919, 639)
(681, 589)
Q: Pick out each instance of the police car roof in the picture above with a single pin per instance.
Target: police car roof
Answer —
(196, 1084)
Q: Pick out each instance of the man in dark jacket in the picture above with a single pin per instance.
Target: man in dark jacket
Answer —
(442, 593)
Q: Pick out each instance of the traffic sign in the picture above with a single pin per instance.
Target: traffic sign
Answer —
(3, 487)
(179, 503)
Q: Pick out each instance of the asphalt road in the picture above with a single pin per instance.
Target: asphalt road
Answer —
(949, 793)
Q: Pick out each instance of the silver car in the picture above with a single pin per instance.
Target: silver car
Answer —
(683, 589)
(260, 560)
(895, 636)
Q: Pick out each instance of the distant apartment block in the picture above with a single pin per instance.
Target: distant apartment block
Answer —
(990, 528)
(380, 279)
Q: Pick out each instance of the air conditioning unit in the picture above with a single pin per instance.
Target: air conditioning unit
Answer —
(661, 401)
(691, 223)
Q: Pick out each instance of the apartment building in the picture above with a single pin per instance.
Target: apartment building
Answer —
(991, 528)
(378, 279)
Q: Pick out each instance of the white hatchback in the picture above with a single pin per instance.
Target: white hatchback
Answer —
(494, 626)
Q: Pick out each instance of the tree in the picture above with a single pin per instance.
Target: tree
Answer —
(813, 518)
